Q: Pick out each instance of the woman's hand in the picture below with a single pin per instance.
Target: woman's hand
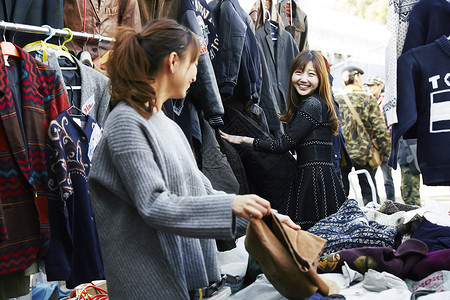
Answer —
(236, 139)
(250, 206)
(253, 206)
(287, 220)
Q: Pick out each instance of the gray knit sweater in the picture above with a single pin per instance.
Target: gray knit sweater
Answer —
(156, 213)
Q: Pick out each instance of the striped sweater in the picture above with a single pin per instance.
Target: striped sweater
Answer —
(156, 213)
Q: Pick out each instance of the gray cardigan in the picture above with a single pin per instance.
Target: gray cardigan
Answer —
(93, 84)
(156, 213)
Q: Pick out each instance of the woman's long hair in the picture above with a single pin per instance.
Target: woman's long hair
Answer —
(323, 89)
(136, 58)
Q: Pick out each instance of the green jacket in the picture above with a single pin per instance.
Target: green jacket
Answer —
(357, 142)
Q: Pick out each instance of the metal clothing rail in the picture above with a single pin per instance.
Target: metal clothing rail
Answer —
(55, 32)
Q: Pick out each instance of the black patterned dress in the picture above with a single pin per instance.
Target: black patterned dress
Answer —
(315, 191)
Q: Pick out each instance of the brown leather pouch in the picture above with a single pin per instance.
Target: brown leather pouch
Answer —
(288, 258)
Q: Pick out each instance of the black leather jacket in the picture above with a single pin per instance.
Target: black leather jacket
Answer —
(204, 93)
(237, 63)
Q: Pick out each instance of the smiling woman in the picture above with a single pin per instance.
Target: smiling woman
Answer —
(315, 191)
(305, 81)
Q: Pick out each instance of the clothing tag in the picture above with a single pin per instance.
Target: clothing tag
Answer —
(77, 120)
(95, 138)
(88, 105)
(5, 58)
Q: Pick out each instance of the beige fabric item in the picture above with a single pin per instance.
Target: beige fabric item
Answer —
(261, 17)
(297, 26)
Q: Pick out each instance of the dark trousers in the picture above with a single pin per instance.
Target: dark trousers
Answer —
(388, 181)
(366, 191)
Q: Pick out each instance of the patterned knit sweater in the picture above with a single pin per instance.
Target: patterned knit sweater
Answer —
(157, 214)
(31, 95)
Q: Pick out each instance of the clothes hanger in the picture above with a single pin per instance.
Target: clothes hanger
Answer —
(51, 33)
(74, 87)
(41, 47)
(60, 50)
(288, 2)
(64, 52)
(82, 114)
(79, 118)
(274, 24)
(271, 22)
(84, 56)
(61, 53)
(266, 11)
(65, 42)
(73, 106)
(8, 48)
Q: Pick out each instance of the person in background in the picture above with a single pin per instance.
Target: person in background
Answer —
(357, 142)
(315, 191)
(409, 166)
(375, 86)
(98, 17)
(156, 213)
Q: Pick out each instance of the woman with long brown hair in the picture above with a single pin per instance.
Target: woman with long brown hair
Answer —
(157, 215)
(315, 191)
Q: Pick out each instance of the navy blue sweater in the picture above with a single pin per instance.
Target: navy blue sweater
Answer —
(423, 108)
(429, 20)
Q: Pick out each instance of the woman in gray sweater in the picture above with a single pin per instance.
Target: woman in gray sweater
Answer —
(157, 215)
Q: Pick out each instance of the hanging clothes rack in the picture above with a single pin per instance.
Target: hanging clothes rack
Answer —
(56, 32)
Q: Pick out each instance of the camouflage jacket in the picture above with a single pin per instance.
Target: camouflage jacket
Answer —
(357, 142)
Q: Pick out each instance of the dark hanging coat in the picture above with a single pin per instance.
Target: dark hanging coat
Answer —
(278, 57)
(31, 12)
